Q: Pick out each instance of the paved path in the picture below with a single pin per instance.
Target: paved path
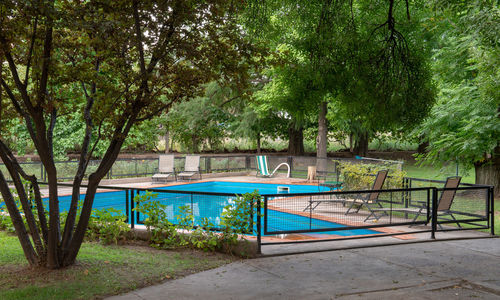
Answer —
(439, 270)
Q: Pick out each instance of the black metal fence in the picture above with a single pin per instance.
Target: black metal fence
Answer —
(324, 215)
(321, 216)
(201, 205)
(354, 211)
(343, 210)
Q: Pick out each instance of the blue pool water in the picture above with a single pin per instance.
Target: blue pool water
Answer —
(212, 206)
(242, 187)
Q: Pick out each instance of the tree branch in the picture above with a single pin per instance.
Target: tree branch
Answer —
(46, 56)
(138, 34)
(18, 222)
(20, 111)
(30, 52)
(33, 180)
(23, 198)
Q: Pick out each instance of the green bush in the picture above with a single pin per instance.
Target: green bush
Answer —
(163, 232)
(5, 221)
(235, 220)
(360, 176)
(108, 226)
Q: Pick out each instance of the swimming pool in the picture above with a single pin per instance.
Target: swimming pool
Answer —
(211, 206)
(243, 187)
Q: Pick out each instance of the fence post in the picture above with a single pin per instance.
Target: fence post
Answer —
(434, 212)
(247, 163)
(259, 237)
(132, 212)
(127, 199)
(192, 207)
(492, 207)
(406, 195)
(290, 163)
(208, 166)
(135, 167)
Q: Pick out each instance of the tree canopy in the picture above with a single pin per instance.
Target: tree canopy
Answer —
(114, 63)
(367, 57)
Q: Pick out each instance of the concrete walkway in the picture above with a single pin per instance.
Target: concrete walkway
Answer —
(436, 270)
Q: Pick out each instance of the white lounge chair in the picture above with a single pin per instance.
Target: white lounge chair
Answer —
(191, 167)
(165, 168)
(262, 169)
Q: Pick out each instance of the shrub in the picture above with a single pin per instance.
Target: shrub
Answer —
(108, 226)
(360, 176)
(163, 232)
(236, 219)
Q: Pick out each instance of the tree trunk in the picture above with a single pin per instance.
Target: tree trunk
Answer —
(258, 143)
(422, 147)
(361, 144)
(295, 140)
(322, 140)
(195, 144)
(167, 141)
(488, 172)
(351, 144)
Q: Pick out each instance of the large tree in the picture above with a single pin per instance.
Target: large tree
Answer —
(366, 57)
(464, 125)
(130, 60)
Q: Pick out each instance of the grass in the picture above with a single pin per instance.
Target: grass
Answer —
(431, 172)
(100, 270)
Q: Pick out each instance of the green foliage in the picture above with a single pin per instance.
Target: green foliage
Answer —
(237, 216)
(235, 220)
(360, 176)
(197, 122)
(464, 125)
(5, 221)
(163, 232)
(108, 226)
(201, 237)
(376, 78)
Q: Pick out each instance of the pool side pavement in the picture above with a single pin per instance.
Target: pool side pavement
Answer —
(460, 269)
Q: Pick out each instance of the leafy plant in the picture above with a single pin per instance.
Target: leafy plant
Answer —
(237, 218)
(163, 232)
(108, 225)
(360, 176)
(5, 221)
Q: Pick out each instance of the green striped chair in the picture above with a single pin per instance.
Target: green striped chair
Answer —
(262, 169)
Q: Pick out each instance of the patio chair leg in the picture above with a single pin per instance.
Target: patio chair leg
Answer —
(456, 221)
(350, 207)
(416, 216)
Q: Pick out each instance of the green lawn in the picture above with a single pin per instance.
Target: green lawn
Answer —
(100, 270)
(437, 173)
